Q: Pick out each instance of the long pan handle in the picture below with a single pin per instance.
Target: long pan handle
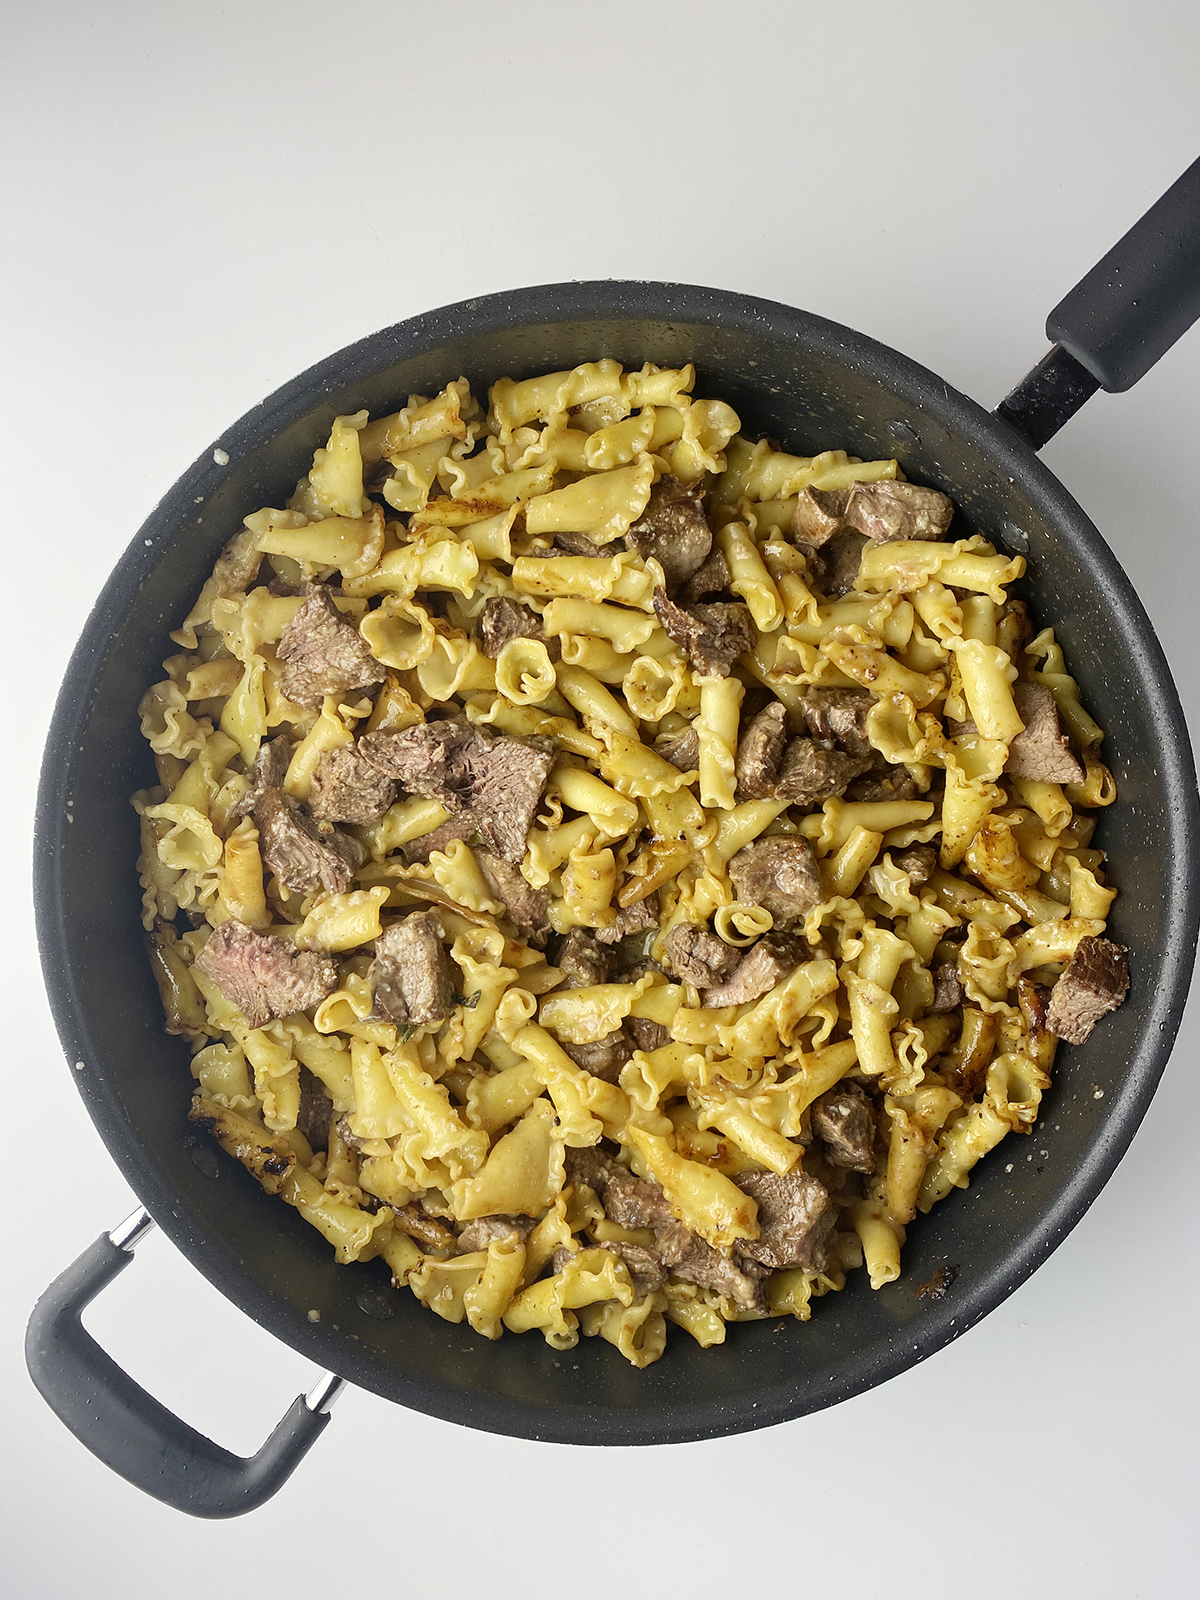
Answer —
(1116, 322)
(127, 1428)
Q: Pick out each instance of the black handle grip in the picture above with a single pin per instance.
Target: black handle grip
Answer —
(127, 1428)
(1133, 305)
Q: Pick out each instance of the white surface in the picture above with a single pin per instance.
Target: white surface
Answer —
(200, 202)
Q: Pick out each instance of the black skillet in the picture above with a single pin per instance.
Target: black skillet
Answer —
(814, 385)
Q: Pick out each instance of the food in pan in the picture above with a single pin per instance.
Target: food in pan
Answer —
(614, 871)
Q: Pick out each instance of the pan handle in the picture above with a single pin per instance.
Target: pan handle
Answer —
(127, 1428)
(1116, 322)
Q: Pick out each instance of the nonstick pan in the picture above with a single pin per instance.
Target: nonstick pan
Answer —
(814, 385)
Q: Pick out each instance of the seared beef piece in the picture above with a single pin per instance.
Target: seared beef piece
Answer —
(682, 750)
(779, 873)
(641, 917)
(603, 1058)
(347, 788)
(583, 961)
(645, 1267)
(1095, 981)
(593, 1166)
(263, 976)
(834, 567)
(883, 782)
(919, 861)
(645, 1034)
(760, 751)
(426, 1230)
(302, 854)
(795, 1220)
(947, 990)
(272, 761)
(839, 716)
(673, 530)
(693, 1259)
(479, 1234)
(495, 783)
(810, 773)
(1041, 751)
(502, 620)
(579, 544)
(441, 838)
(316, 1110)
(843, 1118)
(818, 515)
(526, 907)
(412, 976)
(890, 510)
(711, 636)
(763, 966)
(714, 577)
(633, 1202)
(324, 654)
(693, 955)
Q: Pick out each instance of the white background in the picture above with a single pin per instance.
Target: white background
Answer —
(200, 201)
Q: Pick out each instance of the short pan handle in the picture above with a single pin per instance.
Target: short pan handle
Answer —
(127, 1428)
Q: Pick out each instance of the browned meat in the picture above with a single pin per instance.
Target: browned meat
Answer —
(843, 1118)
(795, 1220)
(479, 1234)
(693, 955)
(633, 1202)
(714, 577)
(302, 853)
(412, 976)
(502, 620)
(316, 1110)
(682, 750)
(583, 961)
(693, 1259)
(883, 783)
(892, 510)
(779, 873)
(818, 515)
(645, 1266)
(579, 544)
(1041, 751)
(641, 917)
(1095, 982)
(324, 654)
(603, 1058)
(495, 783)
(348, 788)
(592, 1166)
(839, 716)
(810, 773)
(428, 1231)
(763, 966)
(263, 976)
(645, 1034)
(673, 530)
(272, 762)
(919, 861)
(527, 907)
(442, 837)
(712, 636)
(834, 567)
(760, 751)
(947, 990)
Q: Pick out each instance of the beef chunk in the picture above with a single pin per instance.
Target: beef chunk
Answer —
(579, 544)
(890, 510)
(919, 861)
(413, 977)
(682, 750)
(265, 977)
(839, 716)
(673, 530)
(883, 782)
(1041, 751)
(429, 1232)
(645, 1034)
(1095, 981)
(693, 1259)
(603, 1058)
(795, 1220)
(641, 917)
(834, 567)
(593, 1166)
(479, 1234)
(492, 783)
(947, 990)
(693, 955)
(583, 961)
(633, 1202)
(843, 1118)
(526, 907)
(302, 854)
(441, 838)
(324, 654)
(316, 1110)
(818, 515)
(763, 966)
(347, 788)
(712, 636)
(779, 873)
(760, 752)
(645, 1267)
(811, 773)
(502, 620)
(272, 761)
(714, 577)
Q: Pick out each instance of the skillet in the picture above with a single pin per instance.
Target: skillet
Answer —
(815, 385)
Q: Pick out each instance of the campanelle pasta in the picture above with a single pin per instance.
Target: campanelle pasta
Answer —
(613, 873)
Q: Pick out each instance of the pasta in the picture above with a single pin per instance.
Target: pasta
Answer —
(614, 873)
